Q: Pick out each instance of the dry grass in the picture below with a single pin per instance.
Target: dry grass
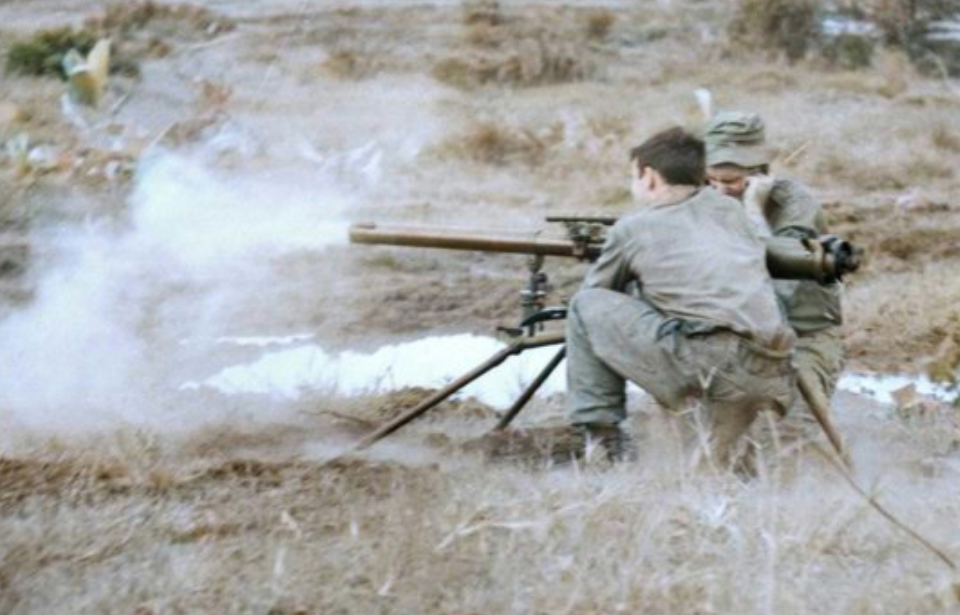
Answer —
(246, 519)
(902, 333)
(532, 49)
(159, 529)
(355, 55)
(169, 20)
(497, 144)
(532, 61)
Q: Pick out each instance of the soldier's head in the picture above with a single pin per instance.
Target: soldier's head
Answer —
(736, 149)
(673, 157)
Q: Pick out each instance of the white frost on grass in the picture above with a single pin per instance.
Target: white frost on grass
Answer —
(435, 361)
(429, 362)
(882, 386)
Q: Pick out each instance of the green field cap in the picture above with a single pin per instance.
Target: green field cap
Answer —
(739, 138)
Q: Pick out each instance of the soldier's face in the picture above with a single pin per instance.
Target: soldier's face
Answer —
(731, 181)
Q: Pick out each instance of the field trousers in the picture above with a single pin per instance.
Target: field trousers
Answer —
(613, 337)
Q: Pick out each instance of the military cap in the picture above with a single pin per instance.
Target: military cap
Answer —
(739, 138)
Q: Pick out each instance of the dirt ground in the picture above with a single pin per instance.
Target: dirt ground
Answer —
(208, 198)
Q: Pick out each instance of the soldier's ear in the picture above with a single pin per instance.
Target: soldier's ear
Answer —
(652, 178)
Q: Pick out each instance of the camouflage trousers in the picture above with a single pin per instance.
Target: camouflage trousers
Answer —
(613, 337)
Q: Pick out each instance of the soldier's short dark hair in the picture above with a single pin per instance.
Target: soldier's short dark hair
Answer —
(676, 154)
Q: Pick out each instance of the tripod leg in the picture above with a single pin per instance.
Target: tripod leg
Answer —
(436, 398)
(820, 407)
(530, 390)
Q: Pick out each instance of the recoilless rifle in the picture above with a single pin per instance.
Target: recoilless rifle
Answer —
(825, 259)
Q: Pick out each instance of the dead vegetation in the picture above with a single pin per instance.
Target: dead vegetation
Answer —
(496, 144)
(790, 27)
(558, 144)
(523, 50)
(153, 525)
(380, 536)
(43, 53)
(137, 31)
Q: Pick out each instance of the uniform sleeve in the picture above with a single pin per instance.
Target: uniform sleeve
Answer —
(612, 269)
(793, 211)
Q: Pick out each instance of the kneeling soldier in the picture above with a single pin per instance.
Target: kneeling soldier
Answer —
(704, 327)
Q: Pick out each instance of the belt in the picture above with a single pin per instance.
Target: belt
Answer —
(697, 328)
(689, 328)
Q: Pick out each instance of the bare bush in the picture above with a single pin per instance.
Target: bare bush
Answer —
(599, 23)
(849, 51)
(43, 52)
(137, 30)
(486, 12)
(790, 27)
(499, 144)
(172, 20)
(532, 60)
(912, 25)
(352, 61)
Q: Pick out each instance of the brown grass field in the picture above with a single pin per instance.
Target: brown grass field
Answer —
(207, 199)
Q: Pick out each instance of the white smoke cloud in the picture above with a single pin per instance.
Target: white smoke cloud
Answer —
(84, 353)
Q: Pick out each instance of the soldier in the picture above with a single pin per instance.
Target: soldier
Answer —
(704, 328)
(738, 162)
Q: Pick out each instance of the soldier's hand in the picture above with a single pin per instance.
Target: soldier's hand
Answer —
(758, 190)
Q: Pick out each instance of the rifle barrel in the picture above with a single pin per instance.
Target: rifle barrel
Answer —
(458, 239)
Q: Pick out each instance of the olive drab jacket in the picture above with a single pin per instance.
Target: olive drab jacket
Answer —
(793, 211)
(698, 260)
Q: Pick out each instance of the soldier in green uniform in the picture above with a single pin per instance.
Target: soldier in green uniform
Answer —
(704, 331)
(738, 161)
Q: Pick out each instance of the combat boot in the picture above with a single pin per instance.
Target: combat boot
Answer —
(616, 444)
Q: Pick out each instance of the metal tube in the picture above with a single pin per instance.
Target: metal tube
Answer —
(820, 407)
(456, 239)
(792, 259)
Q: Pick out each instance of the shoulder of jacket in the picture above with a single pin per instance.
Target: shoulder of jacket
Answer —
(787, 192)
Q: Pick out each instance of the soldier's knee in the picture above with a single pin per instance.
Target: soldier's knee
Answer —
(590, 301)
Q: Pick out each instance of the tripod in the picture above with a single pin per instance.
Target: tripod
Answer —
(517, 347)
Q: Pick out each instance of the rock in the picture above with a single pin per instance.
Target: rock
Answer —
(916, 201)
(910, 404)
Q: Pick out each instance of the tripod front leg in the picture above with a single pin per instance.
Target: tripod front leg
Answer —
(531, 390)
(516, 347)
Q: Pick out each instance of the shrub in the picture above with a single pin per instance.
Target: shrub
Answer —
(482, 12)
(789, 27)
(599, 24)
(498, 144)
(912, 26)
(849, 51)
(137, 30)
(43, 52)
(519, 61)
(945, 137)
(175, 20)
